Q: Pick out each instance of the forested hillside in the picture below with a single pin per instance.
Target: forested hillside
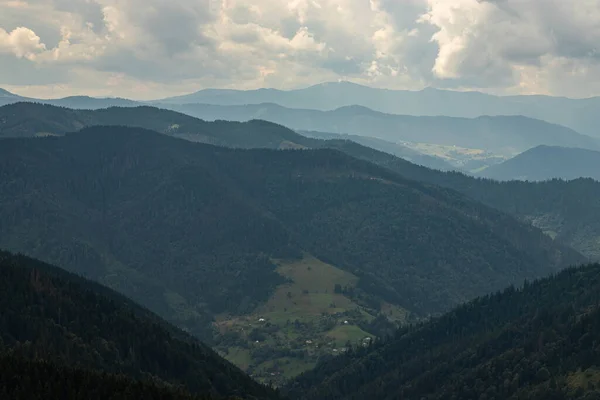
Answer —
(51, 321)
(34, 120)
(191, 230)
(24, 379)
(568, 211)
(534, 343)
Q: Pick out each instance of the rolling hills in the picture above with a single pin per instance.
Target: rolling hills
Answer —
(566, 211)
(545, 162)
(577, 114)
(60, 327)
(538, 342)
(34, 120)
(199, 233)
(503, 135)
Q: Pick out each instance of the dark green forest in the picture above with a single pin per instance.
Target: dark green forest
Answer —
(537, 342)
(24, 379)
(190, 230)
(568, 211)
(33, 119)
(57, 327)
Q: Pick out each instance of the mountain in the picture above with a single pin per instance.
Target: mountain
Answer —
(568, 211)
(577, 114)
(534, 343)
(6, 94)
(565, 210)
(91, 103)
(202, 234)
(396, 149)
(32, 120)
(50, 316)
(78, 102)
(7, 97)
(548, 162)
(504, 135)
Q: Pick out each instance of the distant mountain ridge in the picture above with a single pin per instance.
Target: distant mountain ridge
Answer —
(190, 230)
(32, 119)
(577, 114)
(548, 162)
(501, 134)
(551, 206)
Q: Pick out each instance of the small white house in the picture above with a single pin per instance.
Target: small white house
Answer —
(261, 320)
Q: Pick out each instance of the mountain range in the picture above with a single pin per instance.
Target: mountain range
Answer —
(565, 210)
(577, 114)
(505, 135)
(547, 162)
(287, 253)
(199, 233)
(497, 135)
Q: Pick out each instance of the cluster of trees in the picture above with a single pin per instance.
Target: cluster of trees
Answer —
(538, 342)
(50, 315)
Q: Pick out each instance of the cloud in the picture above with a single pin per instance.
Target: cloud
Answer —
(22, 42)
(505, 43)
(155, 47)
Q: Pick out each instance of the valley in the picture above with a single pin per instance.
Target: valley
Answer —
(260, 234)
(463, 159)
(299, 200)
(308, 319)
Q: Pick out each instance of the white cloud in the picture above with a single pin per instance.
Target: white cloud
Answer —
(22, 42)
(513, 43)
(155, 47)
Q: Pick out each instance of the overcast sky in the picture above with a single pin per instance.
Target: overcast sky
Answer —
(154, 48)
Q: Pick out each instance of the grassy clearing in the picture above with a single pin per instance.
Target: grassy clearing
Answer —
(311, 292)
(394, 313)
(239, 356)
(347, 333)
(303, 320)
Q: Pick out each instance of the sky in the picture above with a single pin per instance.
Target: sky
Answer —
(146, 49)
